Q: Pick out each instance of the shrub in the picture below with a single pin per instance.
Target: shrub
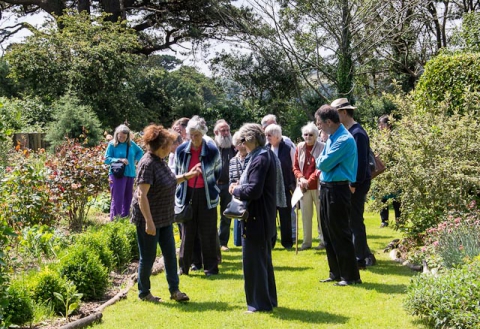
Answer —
(45, 284)
(73, 121)
(450, 300)
(118, 243)
(76, 175)
(83, 267)
(24, 195)
(5, 232)
(97, 241)
(434, 171)
(448, 77)
(19, 309)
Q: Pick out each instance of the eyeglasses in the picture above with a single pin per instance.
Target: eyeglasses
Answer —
(305, 135)
(269, 135)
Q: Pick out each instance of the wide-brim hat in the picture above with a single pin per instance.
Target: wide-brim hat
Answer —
(342, 104)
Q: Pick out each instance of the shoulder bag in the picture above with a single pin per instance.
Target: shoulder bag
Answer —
(118, 167)
(185, 213)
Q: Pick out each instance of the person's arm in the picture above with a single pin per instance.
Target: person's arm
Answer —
(362, 154)
(110, 154)
(253, 189)
(144, 205)
(195, 171)
(329, 160)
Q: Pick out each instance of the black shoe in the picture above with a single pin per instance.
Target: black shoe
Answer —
(362, 264)
(209, 274)
(370, 260)
(384, 224)
(344, 283)
(328, 280)
(195, 268)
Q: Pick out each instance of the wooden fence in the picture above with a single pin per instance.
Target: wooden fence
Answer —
(31, 141)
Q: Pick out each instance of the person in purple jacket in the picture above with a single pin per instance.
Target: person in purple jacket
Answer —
(121, 189)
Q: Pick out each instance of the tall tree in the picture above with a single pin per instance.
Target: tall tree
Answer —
(160, 24)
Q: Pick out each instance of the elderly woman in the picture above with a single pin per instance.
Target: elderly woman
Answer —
(122, 148)
(204, 193)
(152, 211)
(307, 179)
(257, 185)
(286, 156)
(236, 166)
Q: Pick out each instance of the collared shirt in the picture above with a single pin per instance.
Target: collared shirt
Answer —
(338, 160)
(155, 172)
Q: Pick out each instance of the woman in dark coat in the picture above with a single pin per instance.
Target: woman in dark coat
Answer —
(258, 186)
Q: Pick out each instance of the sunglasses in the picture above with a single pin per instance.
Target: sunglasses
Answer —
(308, 135)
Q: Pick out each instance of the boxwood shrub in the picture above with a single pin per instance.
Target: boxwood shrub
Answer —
(83, 267)
(19, 309)
(46, 282)
(97, 241)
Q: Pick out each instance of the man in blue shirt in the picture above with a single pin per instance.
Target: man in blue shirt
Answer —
(361, 185)
(338, 165)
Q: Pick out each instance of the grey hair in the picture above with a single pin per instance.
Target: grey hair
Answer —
(121, 129)
(197, 124)
(252, 132)
(268, 117)
(274, 130)
(236, 138)
(310, 128)
(218, 123)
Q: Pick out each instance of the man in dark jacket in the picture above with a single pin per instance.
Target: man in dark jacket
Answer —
(361, 186)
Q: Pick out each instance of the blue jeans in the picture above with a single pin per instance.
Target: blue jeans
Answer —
(147, 246)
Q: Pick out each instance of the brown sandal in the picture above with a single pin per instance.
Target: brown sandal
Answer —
(151, 298)
(179, 296)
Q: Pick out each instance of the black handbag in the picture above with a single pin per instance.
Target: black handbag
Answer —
(185, 213)
(118, 167)
(236, 209)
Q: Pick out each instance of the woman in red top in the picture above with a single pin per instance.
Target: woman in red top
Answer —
(307, 179)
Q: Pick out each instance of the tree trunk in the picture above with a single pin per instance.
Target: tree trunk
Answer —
(345, 63)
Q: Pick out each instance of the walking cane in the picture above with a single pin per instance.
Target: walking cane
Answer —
(297, 205)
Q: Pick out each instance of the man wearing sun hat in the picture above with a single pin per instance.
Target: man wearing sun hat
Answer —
(362, 184)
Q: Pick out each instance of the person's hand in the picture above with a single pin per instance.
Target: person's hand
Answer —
(352, 189)
(232, 187)
(197, 169)
(125, 161)
(150, 227)
(303, 183)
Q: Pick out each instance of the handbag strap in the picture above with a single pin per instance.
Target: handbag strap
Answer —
(194, 184)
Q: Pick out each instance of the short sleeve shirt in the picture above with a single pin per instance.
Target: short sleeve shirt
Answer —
(155, 172)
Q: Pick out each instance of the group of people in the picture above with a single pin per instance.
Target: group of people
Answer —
(182, 165)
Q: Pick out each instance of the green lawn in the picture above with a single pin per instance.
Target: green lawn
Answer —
(303, 302)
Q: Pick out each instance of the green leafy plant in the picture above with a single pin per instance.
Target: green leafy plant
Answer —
(434, 172)
(449, 300)
(19, 309)
(118, 243)
(70, 299)
(83, 267)
(44, 286)
(25, 198)
(41, 241)
(75, 176)
(98, 242)
(5, 233)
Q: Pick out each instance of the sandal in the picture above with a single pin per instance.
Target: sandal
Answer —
(151, 298)
(179, 296)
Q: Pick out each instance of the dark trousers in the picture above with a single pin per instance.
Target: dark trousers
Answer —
(147, 246)
(204, 223)
(260, 287)
(224, 231)
(285, 215)
(335, 214)
(357, 222)
(384, 211)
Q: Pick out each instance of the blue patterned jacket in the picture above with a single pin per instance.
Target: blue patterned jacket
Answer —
(211, 169)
